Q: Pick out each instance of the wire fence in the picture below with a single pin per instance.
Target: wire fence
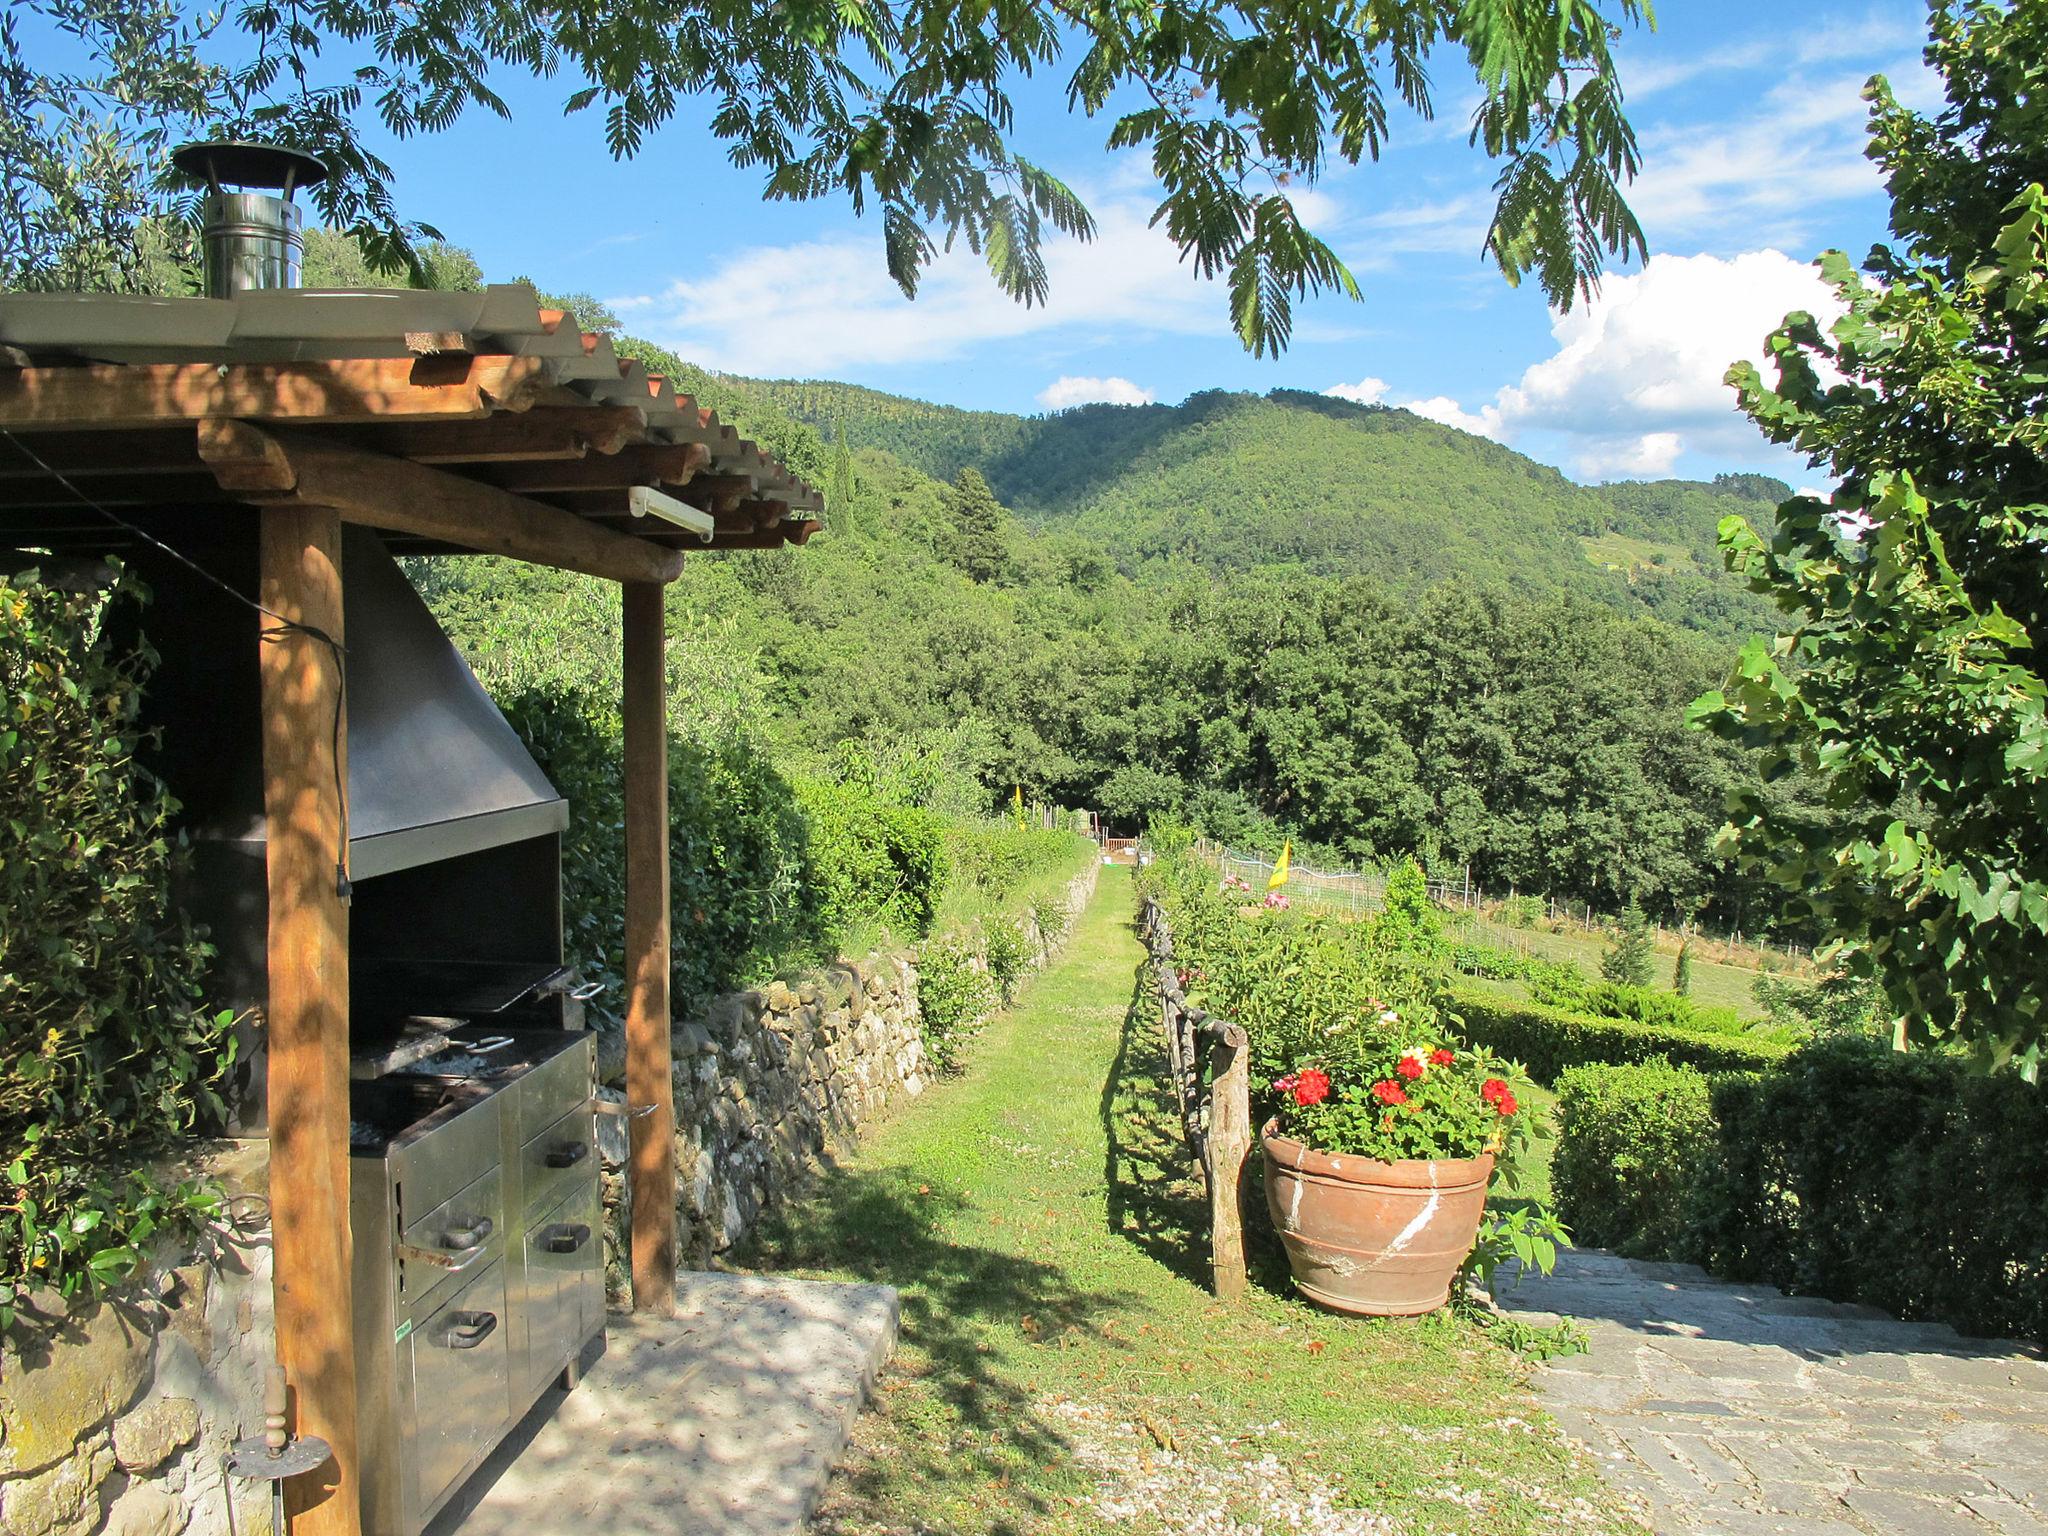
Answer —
(1509, 921)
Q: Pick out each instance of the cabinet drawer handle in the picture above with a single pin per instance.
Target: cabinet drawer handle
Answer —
(469, 1234)
(565, 1237)
(568, 1154)
(466, 1330)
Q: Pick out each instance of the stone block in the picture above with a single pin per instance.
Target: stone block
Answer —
(145, 1510)
(150, 1435)
(1903, 1514)
(62, 1499)
(59, 1383)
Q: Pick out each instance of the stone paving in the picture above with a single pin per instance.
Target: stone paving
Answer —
(1734, 1410)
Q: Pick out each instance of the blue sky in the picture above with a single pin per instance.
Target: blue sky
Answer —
(1751, 126)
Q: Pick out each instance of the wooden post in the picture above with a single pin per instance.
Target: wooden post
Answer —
(307, 1010)
(1230, 1144)
(650, 1090)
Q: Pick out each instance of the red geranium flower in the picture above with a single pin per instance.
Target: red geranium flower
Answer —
(1441, 1057)
(1506, 1104)
(1284, 1084)
(1387, 1091)
(1311, 1086)
(1493, 1090)
(1409, 1067)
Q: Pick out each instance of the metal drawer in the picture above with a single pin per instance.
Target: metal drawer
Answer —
(556, 1086)
(564, 1283)
(560, 1158)
(467, 1228)
(456, 1364)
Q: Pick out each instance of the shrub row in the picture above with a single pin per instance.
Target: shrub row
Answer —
(1849, 1171)
(107, 1055)
(1549, 1041)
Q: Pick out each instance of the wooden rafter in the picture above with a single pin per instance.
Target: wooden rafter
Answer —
(403, 497)
(541, 433)
(647, 464)
(105, 396)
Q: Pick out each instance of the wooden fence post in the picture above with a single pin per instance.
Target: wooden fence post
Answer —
(1230, 1144)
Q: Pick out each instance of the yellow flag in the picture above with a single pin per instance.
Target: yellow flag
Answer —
(1279, 875)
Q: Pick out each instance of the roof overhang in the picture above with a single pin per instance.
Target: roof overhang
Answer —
(124, 402)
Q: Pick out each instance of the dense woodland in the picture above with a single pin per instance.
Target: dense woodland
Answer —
(1373, 634)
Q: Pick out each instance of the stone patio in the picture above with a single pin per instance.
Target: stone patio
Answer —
(1734, 1410)
(724, 1420)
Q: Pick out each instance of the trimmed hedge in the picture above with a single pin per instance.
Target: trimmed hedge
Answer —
(1906, 1182)
(1909, 1183)
(1631, 1140)
(1550, 1041)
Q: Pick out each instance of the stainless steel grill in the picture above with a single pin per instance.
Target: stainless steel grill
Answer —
(478, 1253)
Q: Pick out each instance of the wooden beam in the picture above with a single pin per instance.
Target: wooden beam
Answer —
(648, 464)
(306, 1012)
(650, 1089)
(345, 390)
(403, 497)
(763, 512)
(244, 459)
(543, 432)
(726, 487)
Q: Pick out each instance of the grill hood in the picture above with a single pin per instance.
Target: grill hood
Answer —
(434, 770)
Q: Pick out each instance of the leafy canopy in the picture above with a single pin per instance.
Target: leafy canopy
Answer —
(1906, 682)
(903, 106)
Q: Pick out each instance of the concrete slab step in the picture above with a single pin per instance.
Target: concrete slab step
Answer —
(725, 1420)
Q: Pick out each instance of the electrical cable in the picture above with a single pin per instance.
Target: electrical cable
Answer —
(280, 629)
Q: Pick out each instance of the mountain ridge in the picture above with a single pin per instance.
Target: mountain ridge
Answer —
(1230, 480)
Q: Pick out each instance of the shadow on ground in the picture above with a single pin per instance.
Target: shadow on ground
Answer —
(888, 1225)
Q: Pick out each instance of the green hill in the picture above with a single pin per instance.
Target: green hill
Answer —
(1236, 482)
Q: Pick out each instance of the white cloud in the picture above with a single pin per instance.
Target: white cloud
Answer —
(1367, 391)
(1070, 390)
(828, 306)
(1486, 422)
(1636, 379)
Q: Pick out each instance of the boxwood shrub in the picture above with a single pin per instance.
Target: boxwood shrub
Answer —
(1907, 1182)
(1631, 1142)
(1848, 1171)
(1550, 1041)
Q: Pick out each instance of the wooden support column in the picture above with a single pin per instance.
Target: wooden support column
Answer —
(1230, 1145)
(650, 1090)
(307, 1012)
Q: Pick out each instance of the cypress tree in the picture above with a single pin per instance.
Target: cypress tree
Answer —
(1627, 961)
(978, 528)
(1681, 973)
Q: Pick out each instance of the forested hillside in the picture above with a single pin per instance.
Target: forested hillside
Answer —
(1233, 482)
(1522, 715)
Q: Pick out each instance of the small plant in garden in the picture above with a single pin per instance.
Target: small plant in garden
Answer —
(954, 993)
(1007, 950)
(1627, 961)
(1681, 970)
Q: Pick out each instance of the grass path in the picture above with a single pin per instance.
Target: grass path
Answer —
(1062, 1369)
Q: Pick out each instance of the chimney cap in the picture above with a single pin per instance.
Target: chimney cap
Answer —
(244, 164)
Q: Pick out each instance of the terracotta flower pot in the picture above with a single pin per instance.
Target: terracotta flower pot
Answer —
(1382, 1239)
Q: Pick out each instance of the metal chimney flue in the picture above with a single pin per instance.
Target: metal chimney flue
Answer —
(252, 238)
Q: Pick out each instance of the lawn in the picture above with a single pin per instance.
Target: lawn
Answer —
(1062, 1368)
(1714, 985)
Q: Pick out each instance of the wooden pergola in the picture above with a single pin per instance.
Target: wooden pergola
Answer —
(452, 423)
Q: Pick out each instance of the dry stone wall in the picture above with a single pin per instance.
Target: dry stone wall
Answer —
(115, 1414)
(769, 1082)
